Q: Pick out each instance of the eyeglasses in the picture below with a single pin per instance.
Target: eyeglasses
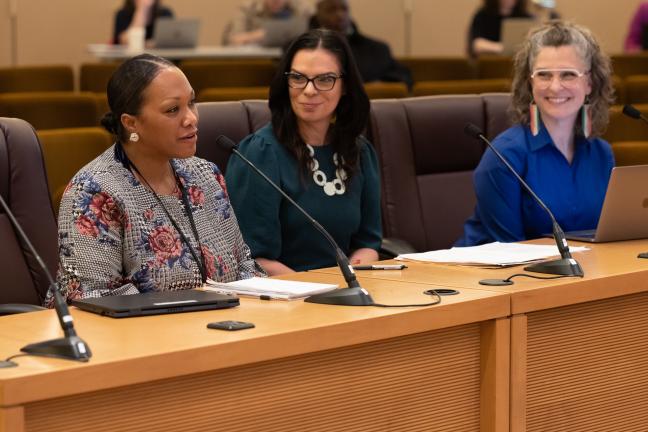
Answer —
(567, 77)
(324, 82)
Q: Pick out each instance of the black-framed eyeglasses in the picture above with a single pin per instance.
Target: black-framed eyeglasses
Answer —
(324, 82)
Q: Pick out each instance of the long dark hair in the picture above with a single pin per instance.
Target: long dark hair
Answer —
(492, 7)
(125, 89)
(352, 111)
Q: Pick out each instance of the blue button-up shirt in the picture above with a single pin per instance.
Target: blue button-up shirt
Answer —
(573, 192)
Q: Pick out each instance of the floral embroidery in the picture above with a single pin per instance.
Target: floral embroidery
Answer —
(105, 209)
(86, 226)
(166, 245)
(149, 214)
(209, 261)
(196, 196)
(220, 178)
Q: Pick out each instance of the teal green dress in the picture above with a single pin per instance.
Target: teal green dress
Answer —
(275, 230)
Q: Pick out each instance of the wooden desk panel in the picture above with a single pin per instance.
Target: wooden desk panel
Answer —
(304, 367)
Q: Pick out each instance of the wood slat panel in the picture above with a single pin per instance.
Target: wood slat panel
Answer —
(587, 367)
(428, 381)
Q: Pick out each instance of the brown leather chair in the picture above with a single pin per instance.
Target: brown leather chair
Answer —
(386, 90)
(228, 73)
(427, 162)
(439, 68)
(636, 89)
(624, 128)
(66, 151)
(455, 87)
(51, 110)
(235, 120)
(225, 94)
(23, 184)
(93, 77)
(494, 66)
(625, 65)
(630, 152)
(36, 79)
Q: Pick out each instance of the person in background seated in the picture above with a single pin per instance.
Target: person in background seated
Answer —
(249, 26)
(485, 30)
(373, 57)
(313, 149)
(146, 215)
(138, 13)
(562, 90)
(638, 26)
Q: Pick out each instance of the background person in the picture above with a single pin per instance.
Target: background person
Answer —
(373, 57)
(562, 90)
(249, 27)
(633, 42)
(485, 29)
(146, 215)
(138, 14)
(313, 149)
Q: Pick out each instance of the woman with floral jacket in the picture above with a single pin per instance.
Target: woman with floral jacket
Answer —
(146, 215)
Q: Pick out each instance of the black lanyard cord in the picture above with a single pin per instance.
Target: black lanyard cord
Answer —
(185, 202)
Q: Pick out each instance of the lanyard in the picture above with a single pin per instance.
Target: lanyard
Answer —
(185, 202)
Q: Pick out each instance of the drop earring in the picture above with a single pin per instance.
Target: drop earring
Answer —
(534, 119)
(134, 137)
(586, 119)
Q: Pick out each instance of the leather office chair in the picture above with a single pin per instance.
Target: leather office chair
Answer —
(454, 87)
(36, 79)
(204, 74)
(224, 94)
(235, 120)
(427, 163)
(51, 110)
(66, 151)
(23, 185)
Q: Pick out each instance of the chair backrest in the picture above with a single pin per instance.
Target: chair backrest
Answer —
(226, 94)
(36, 79)
(468, 86)
(228, 73)
(235, 120)
(427, 163)
(23, 185)
(66, 151)
(386, 90)
(94, 77)
(624, 128)
(51, 110)
(439, 68)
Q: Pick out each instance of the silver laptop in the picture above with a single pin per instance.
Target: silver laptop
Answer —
(624, 215)
(514, 31)
(156, 303)
(281, 31)
(176, 32)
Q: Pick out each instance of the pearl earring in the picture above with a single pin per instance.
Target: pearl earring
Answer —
(134, 137)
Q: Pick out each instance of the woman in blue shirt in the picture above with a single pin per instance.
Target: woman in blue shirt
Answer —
(561, 94)
(313, 149)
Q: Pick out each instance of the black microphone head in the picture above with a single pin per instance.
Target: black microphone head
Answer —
(473, 130)
(225, 143)
(631, 111)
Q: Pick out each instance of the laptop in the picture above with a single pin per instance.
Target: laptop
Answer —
(514, 31)
(624, 215)
(176, 32)
(281, 31)
(156, 303)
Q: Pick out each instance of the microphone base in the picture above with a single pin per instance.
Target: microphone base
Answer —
(356, 296)
(563, 266)
(70, 348)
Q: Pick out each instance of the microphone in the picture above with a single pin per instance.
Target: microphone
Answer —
(70, 346)
(634, 113)
(354, 294)
(566, 265)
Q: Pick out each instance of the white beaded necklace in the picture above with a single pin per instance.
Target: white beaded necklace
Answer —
(330, 187)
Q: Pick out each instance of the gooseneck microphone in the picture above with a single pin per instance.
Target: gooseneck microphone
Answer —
(634, 113)
(354, 294)
(70, 346)
(566, 265)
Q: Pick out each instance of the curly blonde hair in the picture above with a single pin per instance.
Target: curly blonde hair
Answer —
(558, 33)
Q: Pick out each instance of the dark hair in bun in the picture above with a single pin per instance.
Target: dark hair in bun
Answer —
(125, 89)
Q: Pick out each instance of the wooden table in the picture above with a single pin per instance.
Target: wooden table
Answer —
(579, 347)
(304, 367)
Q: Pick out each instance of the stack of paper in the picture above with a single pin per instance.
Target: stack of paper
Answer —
(267, 288)
(491, 254)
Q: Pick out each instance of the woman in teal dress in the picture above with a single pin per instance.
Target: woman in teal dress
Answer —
(313, 149)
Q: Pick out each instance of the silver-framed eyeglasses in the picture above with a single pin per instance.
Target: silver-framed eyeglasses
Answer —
(323, 82)
(567, 77)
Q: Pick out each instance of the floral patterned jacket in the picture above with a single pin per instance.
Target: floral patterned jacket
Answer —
(115, 238)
